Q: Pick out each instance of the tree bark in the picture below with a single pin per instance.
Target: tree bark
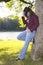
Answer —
(37, 52)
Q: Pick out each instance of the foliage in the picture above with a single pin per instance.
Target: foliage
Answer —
(11, 24)
(19, 20)
(30, 3)
(13, 17)
(9, 4)
(18, 5)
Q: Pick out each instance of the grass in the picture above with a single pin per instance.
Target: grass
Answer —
(9, 50)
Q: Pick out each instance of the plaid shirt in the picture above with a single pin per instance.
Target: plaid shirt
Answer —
(32, 23)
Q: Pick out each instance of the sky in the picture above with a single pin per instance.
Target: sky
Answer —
(4, 11)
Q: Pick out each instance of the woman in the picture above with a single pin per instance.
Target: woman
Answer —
(32, 23)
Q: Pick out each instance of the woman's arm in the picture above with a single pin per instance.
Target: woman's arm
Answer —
(23, 19)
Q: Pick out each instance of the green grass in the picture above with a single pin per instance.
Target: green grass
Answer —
(9, 50)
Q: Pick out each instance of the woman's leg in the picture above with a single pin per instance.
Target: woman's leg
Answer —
(29, 37)
(22, 35)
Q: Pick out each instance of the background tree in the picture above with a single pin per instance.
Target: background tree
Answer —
(18, 5)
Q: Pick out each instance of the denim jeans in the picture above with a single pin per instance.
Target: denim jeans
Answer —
(28, 37)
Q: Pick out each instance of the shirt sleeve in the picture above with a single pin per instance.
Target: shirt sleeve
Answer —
(24, 21)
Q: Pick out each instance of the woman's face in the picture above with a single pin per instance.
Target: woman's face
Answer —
(28, 14)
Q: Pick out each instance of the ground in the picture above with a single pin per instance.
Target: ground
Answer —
(9, 50)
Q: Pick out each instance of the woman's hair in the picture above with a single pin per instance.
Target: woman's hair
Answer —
(26, 10)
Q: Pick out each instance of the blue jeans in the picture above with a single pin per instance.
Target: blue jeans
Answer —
(28, 37)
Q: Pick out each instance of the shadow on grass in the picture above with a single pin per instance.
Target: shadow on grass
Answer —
(9, 59)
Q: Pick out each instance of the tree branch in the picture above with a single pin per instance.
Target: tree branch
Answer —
(4, 0)
(26, 2)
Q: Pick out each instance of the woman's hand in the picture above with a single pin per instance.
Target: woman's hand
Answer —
(23, 17)
(28, 30)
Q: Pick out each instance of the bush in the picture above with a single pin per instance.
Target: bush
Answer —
(11, 25)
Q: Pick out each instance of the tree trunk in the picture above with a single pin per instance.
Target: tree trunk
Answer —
(37, 52)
